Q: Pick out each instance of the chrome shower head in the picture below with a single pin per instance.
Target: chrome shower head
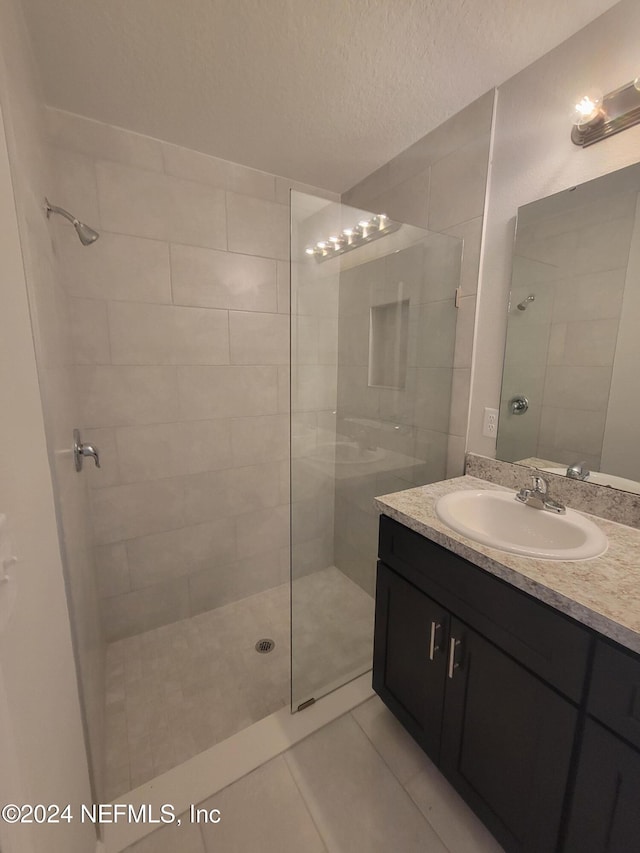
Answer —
(522, 306)
(86, 234)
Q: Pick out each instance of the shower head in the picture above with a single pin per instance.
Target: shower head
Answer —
(522, 306)
(86, 234)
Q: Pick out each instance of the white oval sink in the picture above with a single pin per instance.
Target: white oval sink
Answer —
(497, 519)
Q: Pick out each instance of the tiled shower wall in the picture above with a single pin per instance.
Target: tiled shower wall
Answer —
(399, 418)
(181, 340)
(439, 183)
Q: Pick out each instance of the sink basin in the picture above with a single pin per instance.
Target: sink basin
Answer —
(498, 520)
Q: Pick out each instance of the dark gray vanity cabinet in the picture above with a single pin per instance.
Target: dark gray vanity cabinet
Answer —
(605, 809)
(488, 681)
(409, 657)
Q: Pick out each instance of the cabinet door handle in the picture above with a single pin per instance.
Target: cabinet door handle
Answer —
(433, 646)
(453, 663)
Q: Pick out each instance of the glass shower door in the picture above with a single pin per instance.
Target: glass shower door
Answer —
(373, 324)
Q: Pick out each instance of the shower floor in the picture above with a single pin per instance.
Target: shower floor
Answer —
(179, 689)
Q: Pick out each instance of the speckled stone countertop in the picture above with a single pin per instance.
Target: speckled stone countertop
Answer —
(602, 593)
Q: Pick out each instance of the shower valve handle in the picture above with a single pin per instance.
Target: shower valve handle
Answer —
(81, 450)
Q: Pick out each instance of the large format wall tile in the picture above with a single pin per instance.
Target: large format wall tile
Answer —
(167, 334)
(149, 204)
(458, 183)
(174, 553)
(227, 392)
(137, 509)
(143, 609)
(122, 396)
(257, 227)
(102, 141)
(117, 267)
(213, 279)
(89, 331)
(260, 439)
(258, 338)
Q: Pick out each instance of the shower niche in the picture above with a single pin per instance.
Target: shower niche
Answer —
(388, 344)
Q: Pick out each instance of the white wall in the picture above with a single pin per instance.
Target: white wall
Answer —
(533, 157)
(32, 179)
(40, 718)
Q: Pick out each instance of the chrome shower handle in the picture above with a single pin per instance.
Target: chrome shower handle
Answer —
(81, 450)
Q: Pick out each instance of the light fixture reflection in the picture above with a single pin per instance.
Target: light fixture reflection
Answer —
(365, 231)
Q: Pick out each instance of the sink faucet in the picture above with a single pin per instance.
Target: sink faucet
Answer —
(538, 496)
(578, 471)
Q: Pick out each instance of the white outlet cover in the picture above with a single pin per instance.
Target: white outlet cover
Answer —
(490, 423)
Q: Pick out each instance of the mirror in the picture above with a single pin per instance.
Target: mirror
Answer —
(571, 379)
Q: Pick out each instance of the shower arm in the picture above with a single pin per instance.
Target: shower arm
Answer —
(52, 208)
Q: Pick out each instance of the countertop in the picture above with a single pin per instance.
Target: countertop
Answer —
(602, 593)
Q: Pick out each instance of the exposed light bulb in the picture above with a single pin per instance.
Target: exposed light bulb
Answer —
(310, 251)
(348, 232)
(587, 109)
(364, 223)
(333, 239)
(321, 245)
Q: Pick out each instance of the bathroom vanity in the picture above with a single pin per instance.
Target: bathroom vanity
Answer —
(520, 678)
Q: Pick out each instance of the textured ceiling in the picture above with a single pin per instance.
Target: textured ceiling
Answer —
(322, 91)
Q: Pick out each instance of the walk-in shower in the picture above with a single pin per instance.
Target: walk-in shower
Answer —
(231, 523)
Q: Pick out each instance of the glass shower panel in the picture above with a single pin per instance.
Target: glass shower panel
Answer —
(373, 327)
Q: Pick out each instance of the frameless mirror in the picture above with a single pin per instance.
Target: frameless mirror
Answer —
(570, 398)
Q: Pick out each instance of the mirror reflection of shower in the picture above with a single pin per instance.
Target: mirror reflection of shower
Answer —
(522, 306)
(86, 234)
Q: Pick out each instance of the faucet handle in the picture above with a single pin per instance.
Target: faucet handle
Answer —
(539, 484)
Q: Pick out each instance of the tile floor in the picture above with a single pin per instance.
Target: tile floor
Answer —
(179, 689)
(360, 783)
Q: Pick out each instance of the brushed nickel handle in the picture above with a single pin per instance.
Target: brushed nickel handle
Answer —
(433, 646)
(81, 450)
(453, 663)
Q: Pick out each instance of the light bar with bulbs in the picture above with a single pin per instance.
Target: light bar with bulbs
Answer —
(366, 231)
(596, 117)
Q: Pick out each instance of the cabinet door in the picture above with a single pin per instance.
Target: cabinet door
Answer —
(507, 741)
(409, 657)
(605, 815)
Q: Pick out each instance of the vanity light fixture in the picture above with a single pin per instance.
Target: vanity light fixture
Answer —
(596, 117)
(366, 231)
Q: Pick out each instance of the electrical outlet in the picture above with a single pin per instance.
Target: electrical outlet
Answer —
(490, 423)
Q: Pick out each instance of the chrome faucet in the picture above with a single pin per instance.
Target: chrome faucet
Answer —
(538, 496)
(578, 471)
